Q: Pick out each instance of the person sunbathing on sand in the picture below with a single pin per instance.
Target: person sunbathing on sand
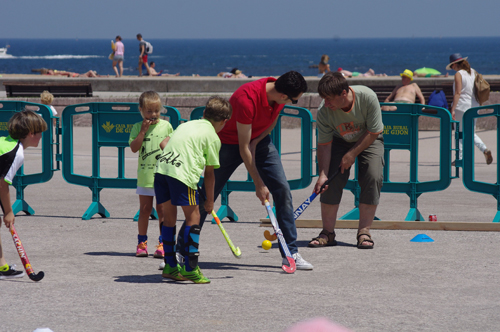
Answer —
(55, 72)
(153, 72)
(348, 73)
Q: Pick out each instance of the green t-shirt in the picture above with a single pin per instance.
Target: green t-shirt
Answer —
(150, 150)
(365, 115)
(192, 146)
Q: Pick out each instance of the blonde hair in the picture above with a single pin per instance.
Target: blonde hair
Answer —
(46, 98)
(149, 98)
(217, 109)
(25, 122)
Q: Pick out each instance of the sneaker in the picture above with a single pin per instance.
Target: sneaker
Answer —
(195, 276)
(11, 273)
(180, 258)
(488, 156)
(300, 263)
(162, 266)
(172, 273)
(142, 249)
(159, 253)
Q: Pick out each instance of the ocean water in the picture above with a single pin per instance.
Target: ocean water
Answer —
(257, 57)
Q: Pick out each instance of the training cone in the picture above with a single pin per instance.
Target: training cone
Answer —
(422, 238)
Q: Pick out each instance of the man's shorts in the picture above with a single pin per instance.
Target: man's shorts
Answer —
(170, 189)
(145, 58)
(370, 175)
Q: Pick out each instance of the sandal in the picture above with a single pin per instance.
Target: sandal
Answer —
(323, 242)
(360, 241)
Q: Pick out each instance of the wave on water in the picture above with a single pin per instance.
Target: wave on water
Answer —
(58, 57)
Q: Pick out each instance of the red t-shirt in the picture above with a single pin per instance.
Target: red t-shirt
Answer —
(250, 106)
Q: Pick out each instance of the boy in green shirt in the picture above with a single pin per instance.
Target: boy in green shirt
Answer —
(192, 147)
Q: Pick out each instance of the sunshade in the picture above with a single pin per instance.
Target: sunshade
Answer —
(427, 71)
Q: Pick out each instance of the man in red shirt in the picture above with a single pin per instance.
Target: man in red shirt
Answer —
(245, 139)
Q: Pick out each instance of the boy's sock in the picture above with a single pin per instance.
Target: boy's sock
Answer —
(160, 238)
(142, 238)
(168, 239)
(192, 240)
(4, 268)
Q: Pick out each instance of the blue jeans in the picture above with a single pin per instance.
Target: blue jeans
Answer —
(271, 171)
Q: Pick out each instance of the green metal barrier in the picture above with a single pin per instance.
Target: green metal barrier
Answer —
(401, 133)
(111, 126)
(304, 181)
(21, 180)
(468, 128)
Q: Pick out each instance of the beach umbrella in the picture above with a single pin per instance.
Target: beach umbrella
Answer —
(427, 71)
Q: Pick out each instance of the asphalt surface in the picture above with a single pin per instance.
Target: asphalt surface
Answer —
(93, 281)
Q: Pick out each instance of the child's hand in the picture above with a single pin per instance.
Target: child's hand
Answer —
(8, 219)
(145, 125)
(209, 206)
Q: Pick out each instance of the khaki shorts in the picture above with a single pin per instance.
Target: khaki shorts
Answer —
(370, 175)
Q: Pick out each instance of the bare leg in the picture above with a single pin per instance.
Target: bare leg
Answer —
(192, 213)
(2, 258)
(366, 215)
(115, 69)
(121, 68)
(161, 217)
(329, 218)
(146, 206)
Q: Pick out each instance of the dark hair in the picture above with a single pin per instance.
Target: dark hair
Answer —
(139, 35)
(25, 122)
(233, 71)
(291, 84)
(332, 84)
(118, 37)
(151, 63)
(217, 109)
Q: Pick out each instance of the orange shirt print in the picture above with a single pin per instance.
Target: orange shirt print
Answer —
(348, 129)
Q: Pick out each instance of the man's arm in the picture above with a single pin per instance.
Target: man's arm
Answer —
(324, 154)
(8, 215)
(365, 141)
(392, 95)
(244, 136)
(256, 140)
(142, 50)
(419, 94)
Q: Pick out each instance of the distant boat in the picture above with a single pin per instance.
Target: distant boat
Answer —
(3, 53)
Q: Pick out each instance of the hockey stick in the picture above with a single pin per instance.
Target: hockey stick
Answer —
(236, 251)
(303, 206)
(291, 261)
(24, 258)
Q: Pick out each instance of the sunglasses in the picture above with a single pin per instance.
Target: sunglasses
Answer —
(294, 101)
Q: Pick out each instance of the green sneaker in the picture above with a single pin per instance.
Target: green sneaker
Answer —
(172, 273)
(195, 276)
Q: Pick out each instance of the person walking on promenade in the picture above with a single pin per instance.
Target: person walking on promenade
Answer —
(192, 147)
(245, 139)
(350, 126)
(463, 98)
(25, 130)
(146, 137)
(118, 58)
(143, 56)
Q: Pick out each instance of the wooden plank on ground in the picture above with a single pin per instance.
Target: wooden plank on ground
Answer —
(403, 225)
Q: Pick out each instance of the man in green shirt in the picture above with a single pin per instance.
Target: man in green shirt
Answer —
(349, 126)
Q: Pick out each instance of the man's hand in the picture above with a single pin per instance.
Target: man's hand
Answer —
(321, 179)
(347, 161)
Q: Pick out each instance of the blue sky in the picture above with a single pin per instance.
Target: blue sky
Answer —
(248, 19)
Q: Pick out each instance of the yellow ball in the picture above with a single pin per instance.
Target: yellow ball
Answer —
(266, 244)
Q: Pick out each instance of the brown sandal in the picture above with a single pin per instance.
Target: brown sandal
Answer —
(360, 241)
(323, 242)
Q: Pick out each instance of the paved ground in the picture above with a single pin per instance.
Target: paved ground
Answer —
(93, 281)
